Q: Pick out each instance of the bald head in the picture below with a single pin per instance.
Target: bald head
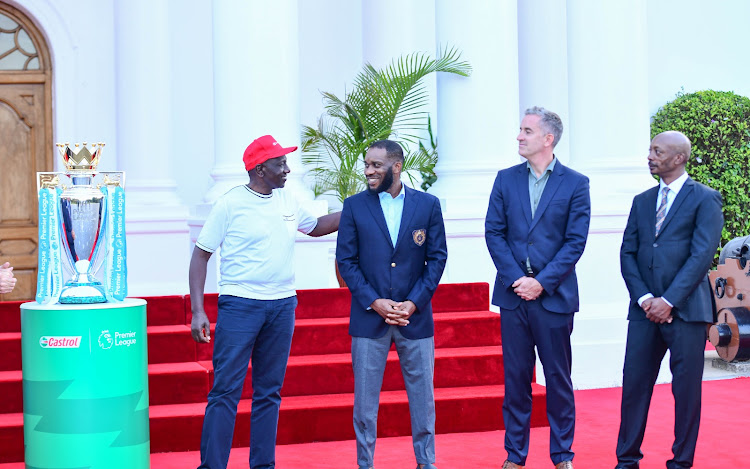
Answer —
(668, 155)
(676, 141)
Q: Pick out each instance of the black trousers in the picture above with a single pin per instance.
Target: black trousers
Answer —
(646, 346)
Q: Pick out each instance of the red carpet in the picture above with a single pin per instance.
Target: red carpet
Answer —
(317, 392)
(722, 441)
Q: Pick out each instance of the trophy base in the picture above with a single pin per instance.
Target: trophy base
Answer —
(83, 294)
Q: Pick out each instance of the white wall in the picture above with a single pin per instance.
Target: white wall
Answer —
(697, 45)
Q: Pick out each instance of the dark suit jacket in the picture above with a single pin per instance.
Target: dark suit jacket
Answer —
(553, 241)
(373, 268)
(675, 263)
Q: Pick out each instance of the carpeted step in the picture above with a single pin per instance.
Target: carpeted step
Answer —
(11, 392)
(171, 344)
(10, 351)
(177, 383)
(332, 374)
(329, 417)
(323, 303)
(11, 437)
(10, 316)
(331, 335)
(335, 302)
(174, 344)
(165, 310)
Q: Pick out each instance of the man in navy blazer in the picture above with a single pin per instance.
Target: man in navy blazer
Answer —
(536, 229)
(391, 252)
(670, 240)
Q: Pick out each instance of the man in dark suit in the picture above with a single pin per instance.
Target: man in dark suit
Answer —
(670, 240)
(536, 228)
(391, 252)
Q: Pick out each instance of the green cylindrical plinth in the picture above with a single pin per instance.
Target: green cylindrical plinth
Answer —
(85, 385)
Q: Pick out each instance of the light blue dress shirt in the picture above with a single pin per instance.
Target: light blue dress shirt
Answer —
(393, 208)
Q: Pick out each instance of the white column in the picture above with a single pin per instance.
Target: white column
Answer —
(256, 86)
(143, 104)
(384, 39)
(477, 126)
(608, 95)
(156, 218)
(478, 115)
(543, 62)
(609, 138)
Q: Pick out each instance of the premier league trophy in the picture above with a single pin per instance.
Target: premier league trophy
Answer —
(81, 230)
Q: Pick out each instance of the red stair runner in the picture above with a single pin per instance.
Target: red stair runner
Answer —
(317, 404)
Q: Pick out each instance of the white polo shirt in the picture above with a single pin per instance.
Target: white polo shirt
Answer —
(256, 233)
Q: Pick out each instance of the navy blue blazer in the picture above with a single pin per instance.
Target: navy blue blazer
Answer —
(674, 264)
(373, 268)
(553, 240)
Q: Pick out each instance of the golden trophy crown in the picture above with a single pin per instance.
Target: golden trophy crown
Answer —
(79, 157)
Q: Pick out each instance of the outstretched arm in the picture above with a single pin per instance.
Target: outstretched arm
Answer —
(326, 224)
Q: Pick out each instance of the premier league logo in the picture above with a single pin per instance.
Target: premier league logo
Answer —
(105, 340)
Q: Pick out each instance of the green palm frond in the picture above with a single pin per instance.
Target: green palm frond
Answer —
(383, 103)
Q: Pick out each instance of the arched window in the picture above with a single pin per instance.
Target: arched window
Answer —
(17, 49)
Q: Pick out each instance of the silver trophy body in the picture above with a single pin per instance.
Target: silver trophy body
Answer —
(81, 209)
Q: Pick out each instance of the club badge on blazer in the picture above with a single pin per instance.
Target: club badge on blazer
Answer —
(419, 236)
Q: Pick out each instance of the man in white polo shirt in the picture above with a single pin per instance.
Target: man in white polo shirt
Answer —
(255, 225)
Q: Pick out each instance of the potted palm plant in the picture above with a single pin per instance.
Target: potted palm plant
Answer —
(387, 103)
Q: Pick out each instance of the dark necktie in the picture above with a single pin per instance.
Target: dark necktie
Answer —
(661, 213)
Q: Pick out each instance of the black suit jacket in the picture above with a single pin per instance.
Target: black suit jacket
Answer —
(675, 263)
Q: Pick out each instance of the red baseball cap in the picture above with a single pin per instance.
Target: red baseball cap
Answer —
(263, 149)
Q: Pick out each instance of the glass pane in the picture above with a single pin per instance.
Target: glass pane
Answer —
(24, 42)
(14, 61)
(6, 42)
(7, 23)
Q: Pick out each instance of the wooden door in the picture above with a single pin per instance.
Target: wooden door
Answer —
(25, 144)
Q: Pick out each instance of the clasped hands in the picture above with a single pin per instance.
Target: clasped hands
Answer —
(395, 313)
(528, 288)
(657, 310)
(7, 280)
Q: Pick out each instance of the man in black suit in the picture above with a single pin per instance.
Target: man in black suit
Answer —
(670, 240)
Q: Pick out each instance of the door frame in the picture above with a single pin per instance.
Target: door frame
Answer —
(41, 76)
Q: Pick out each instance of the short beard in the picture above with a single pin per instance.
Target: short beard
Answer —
(385, 184)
